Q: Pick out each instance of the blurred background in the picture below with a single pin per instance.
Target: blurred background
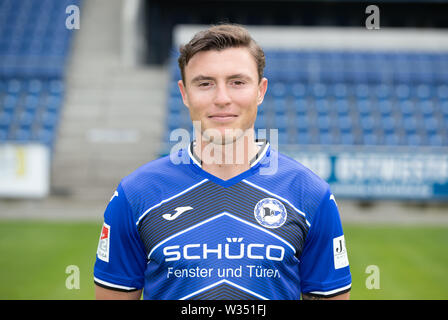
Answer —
(88, 93)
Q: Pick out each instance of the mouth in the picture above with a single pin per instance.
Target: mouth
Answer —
(222, 117)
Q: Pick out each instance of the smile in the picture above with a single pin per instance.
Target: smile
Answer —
(223, 117)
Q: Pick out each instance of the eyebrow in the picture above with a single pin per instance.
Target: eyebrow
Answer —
(233, 76)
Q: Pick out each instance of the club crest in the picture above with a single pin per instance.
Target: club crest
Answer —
(270, 213)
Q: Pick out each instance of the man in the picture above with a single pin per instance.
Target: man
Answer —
(207, 222)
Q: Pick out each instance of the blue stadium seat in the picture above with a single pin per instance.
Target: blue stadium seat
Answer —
(283, 137)
(278, 90)
(279, 105)
(49, 120)
(340, 90)
(381, 91)
(44, 136)
(407, 107)
(13, 87)
(304, 137)
(300, 105)
(444, 108)
(322, 106)
(345, 124)
(388, 124)
(260, 122)
(442, 92)
(391, 139)
(31, 103)
(371, 139)
(325, 137)
(385, 108)
(56, 87)
(414, 140)
(302, 122)
(423, 91)
(10, 101)
(427, 108)
(5, 120)
(53, 103)
(410, 125)
(174, 121)
(26, 120)
(364, 107)
(367, 123)
(431, 125)
(342, 107)
(362, 91)
(435, 140)
(22, 135)
(298, 90)
(319, 90)
(323, 122)
(347, 138)
(402, 91)
(3, 134)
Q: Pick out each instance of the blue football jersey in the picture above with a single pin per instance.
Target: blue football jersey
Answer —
(178, 232)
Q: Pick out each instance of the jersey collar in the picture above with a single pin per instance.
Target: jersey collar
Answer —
(254, 164)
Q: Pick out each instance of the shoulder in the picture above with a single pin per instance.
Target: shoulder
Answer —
(289, 164)
(156, 180)
(301, 175)
(149, 171)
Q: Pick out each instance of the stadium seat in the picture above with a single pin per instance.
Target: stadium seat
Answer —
(371, 139)
(5, 120)
(431, 125)
(435, 140)
(391, 139)
(34, 46)
(442, 92)
(347, 138)
(410, 125)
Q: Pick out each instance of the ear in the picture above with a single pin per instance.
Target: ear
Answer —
(262, 88)
(183, 92)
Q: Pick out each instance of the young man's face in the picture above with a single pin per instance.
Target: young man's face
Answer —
(222, 91)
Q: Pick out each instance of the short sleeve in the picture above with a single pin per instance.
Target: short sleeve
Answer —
(324, 267)
(121, 258)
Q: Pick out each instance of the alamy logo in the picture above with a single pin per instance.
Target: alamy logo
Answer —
(270, 213)
(179, 211)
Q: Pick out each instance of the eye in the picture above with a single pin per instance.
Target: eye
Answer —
(204, 84)
(238, 82)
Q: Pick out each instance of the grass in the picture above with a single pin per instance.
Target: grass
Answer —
(34, 257)
(412, 261)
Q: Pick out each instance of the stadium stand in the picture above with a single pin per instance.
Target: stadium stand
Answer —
(347, 98)
(34, 46)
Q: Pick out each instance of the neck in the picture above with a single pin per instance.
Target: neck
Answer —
(226, 161)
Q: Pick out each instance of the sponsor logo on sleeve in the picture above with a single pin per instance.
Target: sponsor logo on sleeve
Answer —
(104, 243)
(340, 252)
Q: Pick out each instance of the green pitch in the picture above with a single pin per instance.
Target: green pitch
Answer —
(405, 262)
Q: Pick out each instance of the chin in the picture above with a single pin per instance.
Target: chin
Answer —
(223, 136)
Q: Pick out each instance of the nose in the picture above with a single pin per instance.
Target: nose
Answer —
(222, 97)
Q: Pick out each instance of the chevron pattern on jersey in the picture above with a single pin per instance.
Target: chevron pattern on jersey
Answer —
(210, 199)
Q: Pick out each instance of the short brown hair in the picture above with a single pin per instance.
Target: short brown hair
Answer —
(220, 37)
